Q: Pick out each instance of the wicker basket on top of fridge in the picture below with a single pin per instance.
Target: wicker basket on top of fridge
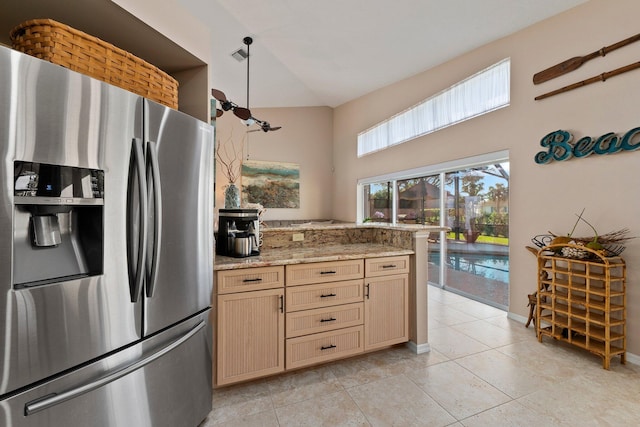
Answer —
(63, 45)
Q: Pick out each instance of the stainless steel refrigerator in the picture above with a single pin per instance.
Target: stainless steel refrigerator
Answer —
(106, 254)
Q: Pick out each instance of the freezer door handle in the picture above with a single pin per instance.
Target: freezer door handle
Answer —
(56, 398)
(138, 268)
(154, 177)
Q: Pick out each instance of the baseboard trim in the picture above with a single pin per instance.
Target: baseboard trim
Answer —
(419, 348)
(517, 317)
(633, 358)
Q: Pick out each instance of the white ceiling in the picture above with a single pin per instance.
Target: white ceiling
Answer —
(327, 52)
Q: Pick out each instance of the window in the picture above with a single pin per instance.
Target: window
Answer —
(481, 93)
(378, 204)
(471, 197)
(419, 200)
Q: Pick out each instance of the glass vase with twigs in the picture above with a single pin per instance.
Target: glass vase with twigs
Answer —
(229, 156)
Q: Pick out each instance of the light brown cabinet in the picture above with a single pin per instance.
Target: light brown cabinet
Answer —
(583, 302)
(250, 325)
(271, 319)
(386, 302)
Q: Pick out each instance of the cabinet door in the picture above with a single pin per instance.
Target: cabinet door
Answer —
(250, 341)
(386, 304)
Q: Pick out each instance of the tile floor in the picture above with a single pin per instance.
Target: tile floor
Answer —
(483, 370)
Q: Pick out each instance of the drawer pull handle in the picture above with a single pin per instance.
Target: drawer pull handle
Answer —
(281, 303)
(333, 319)
(389, 266)
(257, 279)
(367, 290)
(327, 347)
(328, 295)
(328, 272)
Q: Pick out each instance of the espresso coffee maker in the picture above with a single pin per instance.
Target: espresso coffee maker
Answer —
(238, 233)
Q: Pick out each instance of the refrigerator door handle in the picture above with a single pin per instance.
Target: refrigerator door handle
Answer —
(152, 156)
(139, 171)
(50, 400)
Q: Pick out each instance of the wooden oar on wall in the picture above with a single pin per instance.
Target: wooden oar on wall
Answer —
(577, 61)
(601, 77)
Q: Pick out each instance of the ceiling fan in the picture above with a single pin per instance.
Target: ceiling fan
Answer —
(242, 113)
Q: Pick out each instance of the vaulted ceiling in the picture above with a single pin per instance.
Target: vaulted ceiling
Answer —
(325, 53)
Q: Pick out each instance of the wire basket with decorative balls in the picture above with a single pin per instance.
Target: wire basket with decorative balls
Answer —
(610, 244)
(73, 49)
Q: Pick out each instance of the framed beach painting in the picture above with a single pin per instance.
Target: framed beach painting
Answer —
(271, 184)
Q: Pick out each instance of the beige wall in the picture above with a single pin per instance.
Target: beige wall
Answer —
(174, 22)
(305, 139)
(542, 197)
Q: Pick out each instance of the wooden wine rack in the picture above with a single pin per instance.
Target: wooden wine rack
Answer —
(583, 301)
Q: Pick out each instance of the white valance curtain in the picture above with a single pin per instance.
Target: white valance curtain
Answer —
(481, 93)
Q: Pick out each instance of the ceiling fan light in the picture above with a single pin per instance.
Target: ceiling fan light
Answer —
(249, 121)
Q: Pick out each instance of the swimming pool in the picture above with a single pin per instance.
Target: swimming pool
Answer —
(489, 266)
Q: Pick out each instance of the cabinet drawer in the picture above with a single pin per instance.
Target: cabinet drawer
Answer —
(250, 279)
(324, 319)
(386, 265)
(311, 349)
(322, 272)
(323, 295)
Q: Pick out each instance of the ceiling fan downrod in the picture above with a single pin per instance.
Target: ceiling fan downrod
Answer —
(242, 113)
(248, 41)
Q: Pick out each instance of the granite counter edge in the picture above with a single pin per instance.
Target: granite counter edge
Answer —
(228, 263)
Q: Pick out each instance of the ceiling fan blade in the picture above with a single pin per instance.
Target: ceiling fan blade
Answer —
(219, 112)
(242, 113)
(218, 94)
(254, 130)
(275, 128)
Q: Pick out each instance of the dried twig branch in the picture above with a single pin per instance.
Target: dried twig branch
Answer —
(230, 157)
(618, 236)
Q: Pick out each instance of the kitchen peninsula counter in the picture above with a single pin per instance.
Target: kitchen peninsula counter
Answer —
(316, 242)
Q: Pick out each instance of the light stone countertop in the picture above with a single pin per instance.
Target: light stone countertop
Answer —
(321, 225)
(313, 254)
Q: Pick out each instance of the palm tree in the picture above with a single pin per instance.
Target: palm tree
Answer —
(498, 193)
(471, 184)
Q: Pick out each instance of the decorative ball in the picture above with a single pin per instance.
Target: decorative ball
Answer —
(572, 252)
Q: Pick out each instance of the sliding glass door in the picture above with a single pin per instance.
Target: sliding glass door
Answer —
(476, 256)
(473, 258)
